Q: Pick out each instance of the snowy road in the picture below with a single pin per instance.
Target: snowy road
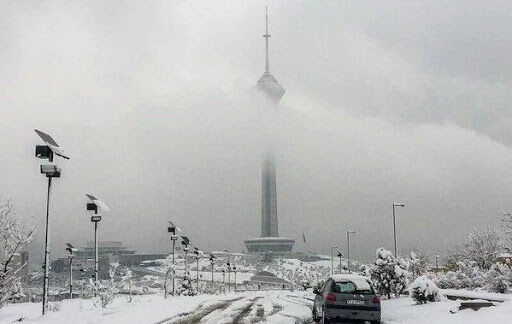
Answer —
(255, 307)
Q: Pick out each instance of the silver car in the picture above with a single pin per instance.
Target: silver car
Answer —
(346, 297)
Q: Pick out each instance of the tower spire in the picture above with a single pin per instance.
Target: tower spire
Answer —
(266, 35)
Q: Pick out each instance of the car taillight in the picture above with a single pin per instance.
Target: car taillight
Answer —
(330, 298)
(376, 300)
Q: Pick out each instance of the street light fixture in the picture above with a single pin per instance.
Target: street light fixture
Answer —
(394, 222)
(70, 248)
(340, 255)
(348, 248)
(95, 205)
(50, 171)
(171, 229)
(332, 258)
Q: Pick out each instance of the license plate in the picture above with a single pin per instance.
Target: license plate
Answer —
(355, 302)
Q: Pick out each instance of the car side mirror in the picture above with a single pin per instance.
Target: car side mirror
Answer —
(315, 291)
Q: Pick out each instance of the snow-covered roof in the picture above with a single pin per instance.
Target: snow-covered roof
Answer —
(505, 255)
(361, 282)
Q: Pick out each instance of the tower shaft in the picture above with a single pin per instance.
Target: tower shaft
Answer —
(269, 225)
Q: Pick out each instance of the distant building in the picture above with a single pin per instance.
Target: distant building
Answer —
(269, 240)
(104, 247)
(266, 280)
(137, 258)
(108, 252)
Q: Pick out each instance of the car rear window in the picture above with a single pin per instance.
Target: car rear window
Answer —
(349, 287)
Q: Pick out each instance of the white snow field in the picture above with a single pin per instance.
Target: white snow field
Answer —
(247, 307)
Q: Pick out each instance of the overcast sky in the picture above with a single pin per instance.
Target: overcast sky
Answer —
(385, 101)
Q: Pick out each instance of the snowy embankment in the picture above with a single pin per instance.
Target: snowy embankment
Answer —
(404, 311)
(471, 294)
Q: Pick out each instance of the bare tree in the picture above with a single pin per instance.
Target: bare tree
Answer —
(14, 237)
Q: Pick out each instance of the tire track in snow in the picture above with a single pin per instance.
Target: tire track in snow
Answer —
(201, 311)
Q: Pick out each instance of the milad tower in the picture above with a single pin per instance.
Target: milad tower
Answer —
(269, 240)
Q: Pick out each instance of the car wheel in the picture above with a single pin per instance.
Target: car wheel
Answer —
(325, 320)
(315, 317)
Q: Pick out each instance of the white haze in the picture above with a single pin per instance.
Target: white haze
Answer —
(152, 101)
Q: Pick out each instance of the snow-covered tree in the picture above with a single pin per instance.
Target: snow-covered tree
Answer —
(453, 257)
(14, 237)
(126, 280)
(480, 248)
(423, 289)
(483, 246)
(419, 262)
(170, 272)
(107, 291)
(388, 274)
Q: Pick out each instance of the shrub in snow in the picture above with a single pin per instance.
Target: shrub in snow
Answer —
(423, 290)
(498, 278)
(467, 276)
(388, 274)
(14, 238)
(185, 288)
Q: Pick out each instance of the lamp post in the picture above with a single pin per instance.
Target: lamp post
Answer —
(185, 241)
(197, 252)
(50, 171)
(224, 281)
(348, 248)
(70, 248)
(437, 264)
(229, 276)
(95, 206)
(212, 260)
(394, 221)
(171, 229)
(332, 258)
(234, 270)
(340, 255)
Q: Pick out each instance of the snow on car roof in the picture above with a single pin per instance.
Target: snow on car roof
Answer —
(361, 282)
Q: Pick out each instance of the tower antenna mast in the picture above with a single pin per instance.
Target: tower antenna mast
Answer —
(266, 35)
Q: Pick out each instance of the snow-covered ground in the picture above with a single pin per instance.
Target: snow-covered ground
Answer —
(404, 311)
(247, 307)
